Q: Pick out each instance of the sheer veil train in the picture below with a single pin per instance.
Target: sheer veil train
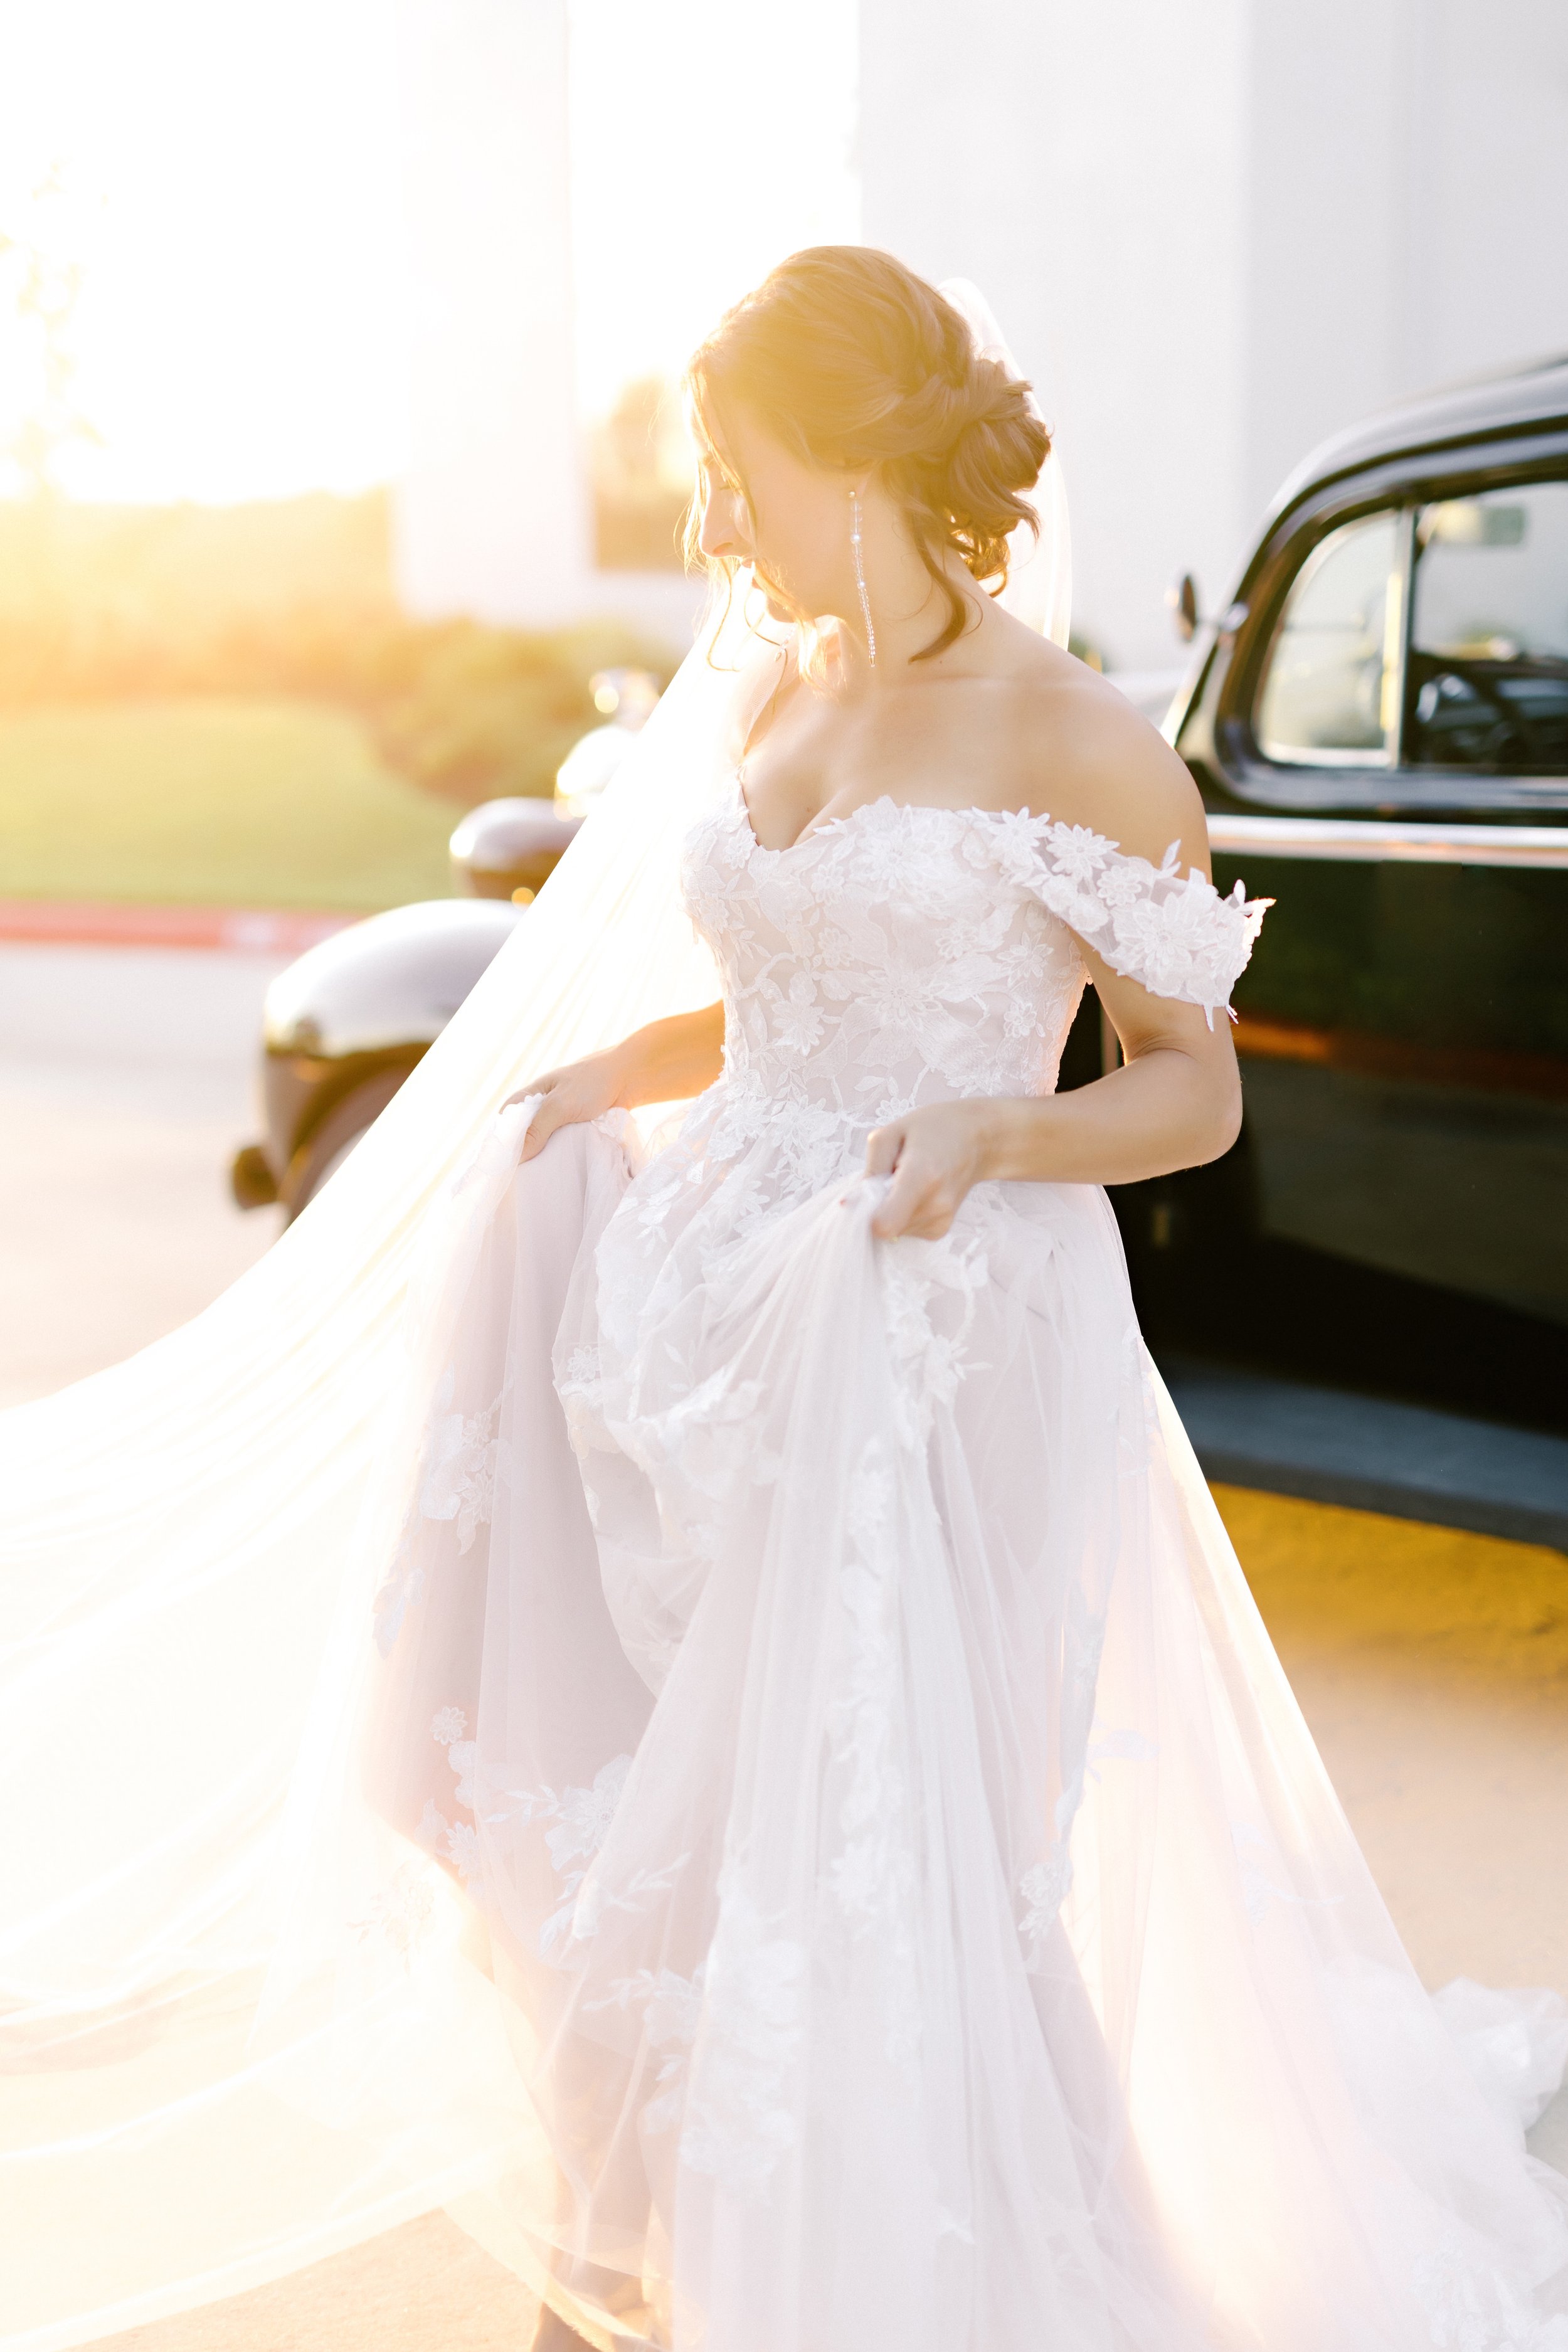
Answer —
(186, 1546)
(400, 1813)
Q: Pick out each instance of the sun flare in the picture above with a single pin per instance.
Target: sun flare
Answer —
(227, 187)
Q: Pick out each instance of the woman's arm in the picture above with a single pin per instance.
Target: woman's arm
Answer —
(1175, 1102)
(665, 1062)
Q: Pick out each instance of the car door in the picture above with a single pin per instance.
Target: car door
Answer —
(1388, 760)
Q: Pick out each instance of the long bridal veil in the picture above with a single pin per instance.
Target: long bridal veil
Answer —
(1039, 561)
(177, 1537)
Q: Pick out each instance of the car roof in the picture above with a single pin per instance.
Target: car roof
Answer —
(1516, 398)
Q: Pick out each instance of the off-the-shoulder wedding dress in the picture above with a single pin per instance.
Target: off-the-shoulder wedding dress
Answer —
(918, 1915)
(735, 1756)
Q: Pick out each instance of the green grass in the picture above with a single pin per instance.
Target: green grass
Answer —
(211, 802)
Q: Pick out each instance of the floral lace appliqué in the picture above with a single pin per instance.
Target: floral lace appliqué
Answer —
(401, 1914)
(581, 1819)
(727, 2039)
(740, 2109)
(1170, 932)
(458, 1480)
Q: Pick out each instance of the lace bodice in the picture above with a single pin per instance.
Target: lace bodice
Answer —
(901, 955)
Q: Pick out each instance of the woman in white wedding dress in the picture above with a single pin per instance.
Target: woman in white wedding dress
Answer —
(920, 1941)
(818, 1854)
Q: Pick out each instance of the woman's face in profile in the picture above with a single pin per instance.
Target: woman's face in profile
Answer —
(789, 519)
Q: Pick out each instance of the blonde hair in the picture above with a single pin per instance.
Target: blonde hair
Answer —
(851, 360)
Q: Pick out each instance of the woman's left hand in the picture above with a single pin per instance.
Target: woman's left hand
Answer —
(933, 1156)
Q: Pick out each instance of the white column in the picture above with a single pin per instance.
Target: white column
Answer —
(1338, 162)
(1409, 168)
(1221, 233)
(493, 515)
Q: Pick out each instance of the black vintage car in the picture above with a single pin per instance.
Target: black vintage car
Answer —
(1378, 722)
(345, 1025)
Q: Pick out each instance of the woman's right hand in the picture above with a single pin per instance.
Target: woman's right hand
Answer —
(668, 1061)
(574, 1095)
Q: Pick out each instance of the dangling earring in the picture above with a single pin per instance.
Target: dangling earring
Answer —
(860, 575)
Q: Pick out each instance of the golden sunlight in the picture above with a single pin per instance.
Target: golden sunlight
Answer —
(208, 200)
(227, 193)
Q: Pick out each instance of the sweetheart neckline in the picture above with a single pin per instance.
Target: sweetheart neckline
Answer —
(815, 831)
(1167, 869)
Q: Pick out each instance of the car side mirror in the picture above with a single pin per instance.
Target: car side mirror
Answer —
(1183, 599)
(508, 849)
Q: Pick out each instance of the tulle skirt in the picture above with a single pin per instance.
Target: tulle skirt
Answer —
(819, 1841)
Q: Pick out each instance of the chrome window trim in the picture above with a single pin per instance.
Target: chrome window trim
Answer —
(1397, 601)
(1320, 755)
(1396, 638)
(1365, 841)
(1401, 483)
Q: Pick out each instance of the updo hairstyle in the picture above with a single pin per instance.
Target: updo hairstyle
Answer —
(852, 361)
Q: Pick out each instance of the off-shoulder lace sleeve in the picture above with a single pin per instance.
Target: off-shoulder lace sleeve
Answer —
(1172, 932)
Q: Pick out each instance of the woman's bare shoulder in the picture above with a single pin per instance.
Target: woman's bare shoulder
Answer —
(1085, 756)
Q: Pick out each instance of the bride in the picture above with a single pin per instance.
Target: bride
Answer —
(799, 1837)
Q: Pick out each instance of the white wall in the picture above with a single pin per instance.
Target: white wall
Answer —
(1214, 234)
(1408, 208)
(1490, 214)
(1219, 234)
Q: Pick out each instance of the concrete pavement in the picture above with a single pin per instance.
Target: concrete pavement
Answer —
(125, 1082)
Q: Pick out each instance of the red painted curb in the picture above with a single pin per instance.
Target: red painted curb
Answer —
(57, 922)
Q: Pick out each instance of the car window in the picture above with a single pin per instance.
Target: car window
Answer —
(1487, 685)
(1329, 685)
